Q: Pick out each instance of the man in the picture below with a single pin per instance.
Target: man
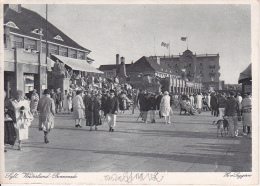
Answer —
(47, 111)
(231, 111)
(113, 105)
(60, 98)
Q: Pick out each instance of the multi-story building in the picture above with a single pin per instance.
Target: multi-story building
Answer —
(26, 38)
(202, 68)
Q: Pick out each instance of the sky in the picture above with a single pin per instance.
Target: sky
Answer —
(133, 31)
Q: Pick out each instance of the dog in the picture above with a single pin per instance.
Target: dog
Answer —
(222, 126)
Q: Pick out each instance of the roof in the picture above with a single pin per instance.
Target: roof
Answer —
(246, 74)
(148, 64)
(77, 64)
(111, 67)
(28, 20)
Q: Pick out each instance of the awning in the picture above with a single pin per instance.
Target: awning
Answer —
(246, 74)
(78, 64)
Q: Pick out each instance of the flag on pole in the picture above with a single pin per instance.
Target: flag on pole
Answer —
(165, 45)
(183, 38)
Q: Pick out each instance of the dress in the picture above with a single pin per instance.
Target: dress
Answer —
(247, 111)
(47, 112)
(165, 105)
(78, 107)
(23, 118)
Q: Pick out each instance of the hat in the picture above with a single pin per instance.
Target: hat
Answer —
(166, 93)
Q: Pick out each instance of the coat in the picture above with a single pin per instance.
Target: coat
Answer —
(152, 103)
(214, 102)
(143, 102)
(165, 106)
(112, 105)
(47, 112)
(78, 107)
(92, 113)
(232, 107)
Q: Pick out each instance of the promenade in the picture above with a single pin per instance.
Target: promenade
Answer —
(188, 144)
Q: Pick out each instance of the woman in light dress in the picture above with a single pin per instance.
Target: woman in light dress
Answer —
(23, 117)
(67, 102)
(199, 102)
(165, 107)
(78, 109)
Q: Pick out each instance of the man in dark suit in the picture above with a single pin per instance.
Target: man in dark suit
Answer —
(231, 112)
(113, 105)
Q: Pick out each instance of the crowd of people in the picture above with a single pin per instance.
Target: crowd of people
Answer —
(96, 105)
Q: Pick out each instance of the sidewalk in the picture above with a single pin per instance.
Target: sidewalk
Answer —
(188, 144)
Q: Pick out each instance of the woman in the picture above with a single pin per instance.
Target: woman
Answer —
(23, 117)
(66, 106)
(165, 107)
(199, 102)
(10, 134)
(47, 112)
(93, 111)
(34, 102)
(247, 114)
(78, 107)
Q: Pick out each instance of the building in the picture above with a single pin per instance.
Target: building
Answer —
(28, 37)
(148, 72)
(246, 79)
(203, 68)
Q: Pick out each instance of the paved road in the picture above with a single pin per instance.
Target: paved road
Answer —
(188, 144)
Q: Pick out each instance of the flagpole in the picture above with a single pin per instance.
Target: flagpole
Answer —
(187, 44)
(169, 48)
(154, 44)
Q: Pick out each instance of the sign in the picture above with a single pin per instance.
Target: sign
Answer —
(189, 84)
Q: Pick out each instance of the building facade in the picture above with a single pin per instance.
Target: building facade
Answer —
(203, 68)
(29, 43)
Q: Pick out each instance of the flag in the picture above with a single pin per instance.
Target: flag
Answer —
(165, 44)
(183, 38)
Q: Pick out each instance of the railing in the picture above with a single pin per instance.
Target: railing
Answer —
(53, 51)
(64, 54)
(32, 47)
(73, 56)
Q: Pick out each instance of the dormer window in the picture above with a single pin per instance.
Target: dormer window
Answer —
(11, 24)
(58, 37)
(37, 31)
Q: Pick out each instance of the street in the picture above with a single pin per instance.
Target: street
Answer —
(188, 144)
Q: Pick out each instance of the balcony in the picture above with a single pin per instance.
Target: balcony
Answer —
(212, 66)
(212, 74)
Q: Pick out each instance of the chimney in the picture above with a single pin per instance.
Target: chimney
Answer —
(16, 7)
(117, 64)
(158, 60)
(122, 69)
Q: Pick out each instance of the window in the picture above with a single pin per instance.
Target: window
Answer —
(212, 78)
(30, 44)
(18, 42)
(64, 51)
(54, 49)
(73, 54)
(11, 24)
(81, 55)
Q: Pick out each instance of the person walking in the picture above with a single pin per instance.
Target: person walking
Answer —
(165, 107)
(47, 114)
(113, 105)
(222, 101)
(23, 117)
(144, 106)
(152, 107)
(247, 115)
(78, 107)
(34, 102)
(214, 104)
(66, 102)
(93, 110)
(231, 113)
(158, 102)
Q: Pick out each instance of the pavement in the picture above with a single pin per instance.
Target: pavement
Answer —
(188, 144)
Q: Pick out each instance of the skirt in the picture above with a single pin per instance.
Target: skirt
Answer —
(10, 134)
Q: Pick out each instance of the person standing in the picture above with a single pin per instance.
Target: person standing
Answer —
(34, 102)
(23, 117)
(158, 102)
(214, 104)
(93, 110)
(165, 107)
(78, 109)
(60, 98)
(247, 114)
(199, 102)
(66, 102)
(231, 111)
(9, 120)
(54, 97)
(47, 114)
(239, 99)
(113, 105)
(191, 100)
